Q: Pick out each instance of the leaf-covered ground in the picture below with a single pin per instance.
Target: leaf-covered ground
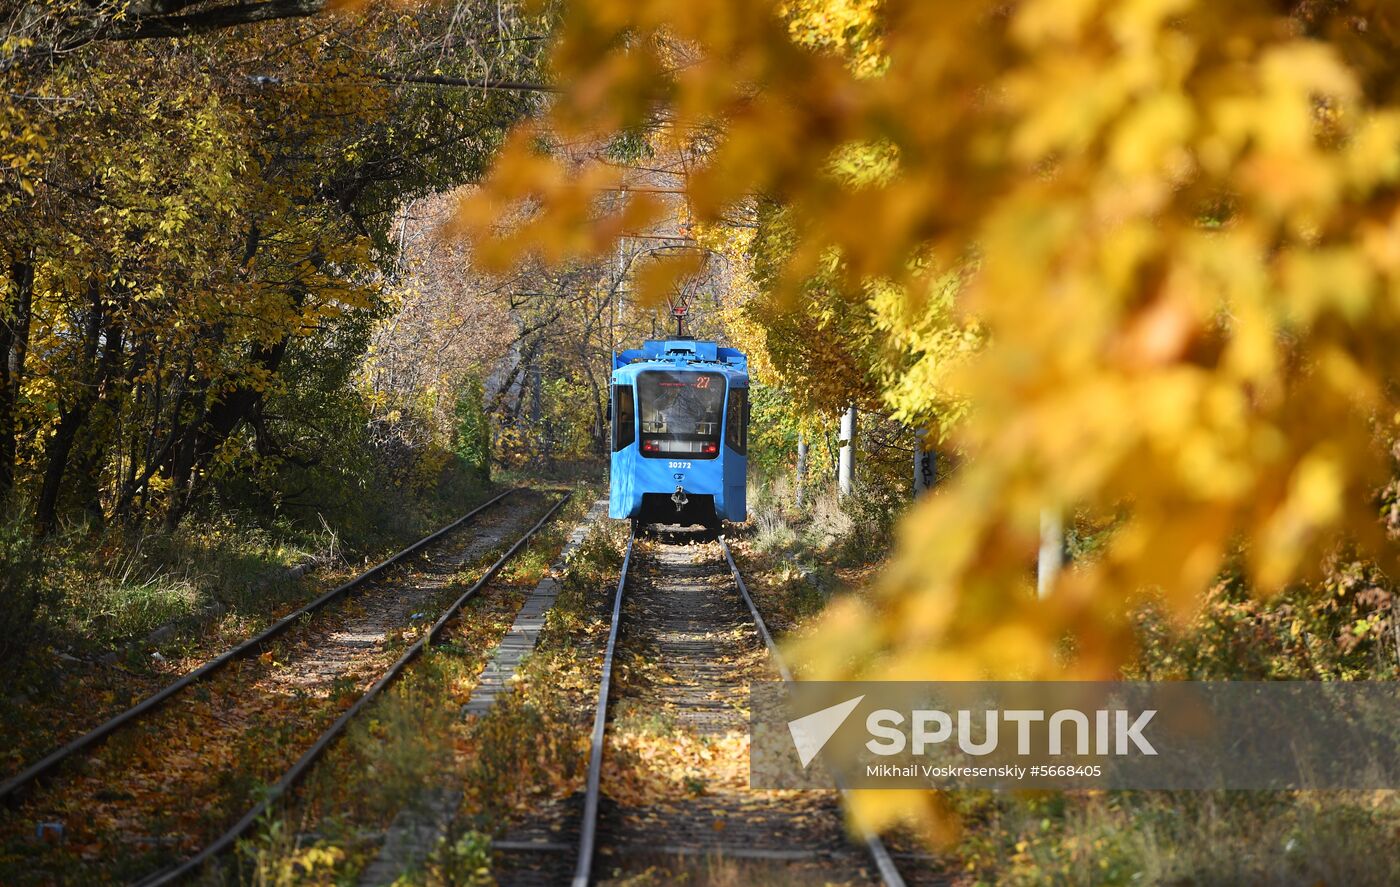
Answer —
(414, 744)
(126, 809)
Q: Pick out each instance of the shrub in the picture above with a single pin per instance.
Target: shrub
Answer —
(1341, 629)
(873, 509)
(472, 433)
(772, 532)
(22, 592)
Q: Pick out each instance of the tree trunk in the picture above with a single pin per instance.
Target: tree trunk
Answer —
(599, 431)
(71, 419)
(847, 469)
(222, 420)
(59, 448)
(109, 390)
(186, 450)
(14, 343)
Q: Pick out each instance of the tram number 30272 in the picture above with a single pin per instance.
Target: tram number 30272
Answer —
(677, 464)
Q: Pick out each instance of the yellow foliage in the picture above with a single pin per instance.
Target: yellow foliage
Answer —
(847, 28)
(1186, 226)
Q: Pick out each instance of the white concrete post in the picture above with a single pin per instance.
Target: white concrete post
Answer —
(846, 474)
(1052, 552)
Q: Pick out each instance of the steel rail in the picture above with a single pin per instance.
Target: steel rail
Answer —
(889, 874)
(588, 830)
(11, 789)
(293, 775)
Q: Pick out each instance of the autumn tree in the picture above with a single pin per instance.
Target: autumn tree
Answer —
(197, 240)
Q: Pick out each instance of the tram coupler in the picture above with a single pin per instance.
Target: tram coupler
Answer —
(679, 497)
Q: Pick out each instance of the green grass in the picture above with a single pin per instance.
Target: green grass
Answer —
(109, 588)
(1197, 838)
(117, 589)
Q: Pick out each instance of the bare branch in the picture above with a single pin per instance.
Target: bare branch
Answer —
(212, 19)
(470, 82)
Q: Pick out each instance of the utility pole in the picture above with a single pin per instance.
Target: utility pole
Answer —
(846, 470)
(801, 469)
(925, 464)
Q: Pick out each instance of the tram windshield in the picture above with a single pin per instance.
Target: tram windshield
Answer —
(680, 413)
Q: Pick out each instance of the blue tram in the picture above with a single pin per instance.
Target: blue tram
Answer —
(680, 422)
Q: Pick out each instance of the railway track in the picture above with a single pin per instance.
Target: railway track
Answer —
(327, 655)
(685, 609)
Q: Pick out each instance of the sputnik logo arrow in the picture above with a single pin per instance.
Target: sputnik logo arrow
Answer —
(811, 732)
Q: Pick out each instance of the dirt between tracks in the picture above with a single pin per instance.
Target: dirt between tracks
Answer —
(164, 786)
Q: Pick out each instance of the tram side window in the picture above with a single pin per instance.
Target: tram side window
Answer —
(736, 425)
(624, 417)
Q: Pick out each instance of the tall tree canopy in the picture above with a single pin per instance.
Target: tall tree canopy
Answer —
(196, 236)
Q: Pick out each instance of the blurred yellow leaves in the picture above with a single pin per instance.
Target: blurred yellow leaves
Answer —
(1181, 304)
(572, 227)
(658, 279)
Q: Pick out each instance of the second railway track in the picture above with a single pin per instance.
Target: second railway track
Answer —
(684, 644)
(160, 788)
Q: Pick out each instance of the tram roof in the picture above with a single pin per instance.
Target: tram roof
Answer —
(694, 354)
